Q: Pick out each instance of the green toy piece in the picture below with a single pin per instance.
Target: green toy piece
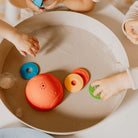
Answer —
(91, 91)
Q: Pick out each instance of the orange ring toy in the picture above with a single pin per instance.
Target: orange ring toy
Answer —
(73, 83)
(83, 73)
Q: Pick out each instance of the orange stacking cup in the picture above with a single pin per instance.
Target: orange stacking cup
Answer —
(83, 73)
(73, 83)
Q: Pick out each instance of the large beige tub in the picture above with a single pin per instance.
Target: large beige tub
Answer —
(68, 41)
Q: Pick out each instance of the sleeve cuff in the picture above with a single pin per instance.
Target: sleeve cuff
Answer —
(133, 75)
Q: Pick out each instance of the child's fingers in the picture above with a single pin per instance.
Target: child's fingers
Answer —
(23, 53)
(31, 52)
(105, 98)
(35, 39)
(53, 4)
(31, 40)
(97, 91)
(34, 49)
(95, 83)
(35, 52)
(34, 43)
(36, 46)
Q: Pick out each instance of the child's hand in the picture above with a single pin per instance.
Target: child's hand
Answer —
(75, 5)
(26, 44)
(52, 3)
(130, 27)
(111, 86)
(32, 6)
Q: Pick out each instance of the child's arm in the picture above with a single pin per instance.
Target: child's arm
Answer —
(24, 43)
(130, 25)
(113, 85)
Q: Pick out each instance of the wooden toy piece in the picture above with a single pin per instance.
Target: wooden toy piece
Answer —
(44, 92)
(73, 83)
(83, 73)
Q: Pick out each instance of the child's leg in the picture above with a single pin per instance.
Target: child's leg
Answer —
(75, 5)
(111, 86)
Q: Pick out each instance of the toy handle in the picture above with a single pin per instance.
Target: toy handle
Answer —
(38, 3)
